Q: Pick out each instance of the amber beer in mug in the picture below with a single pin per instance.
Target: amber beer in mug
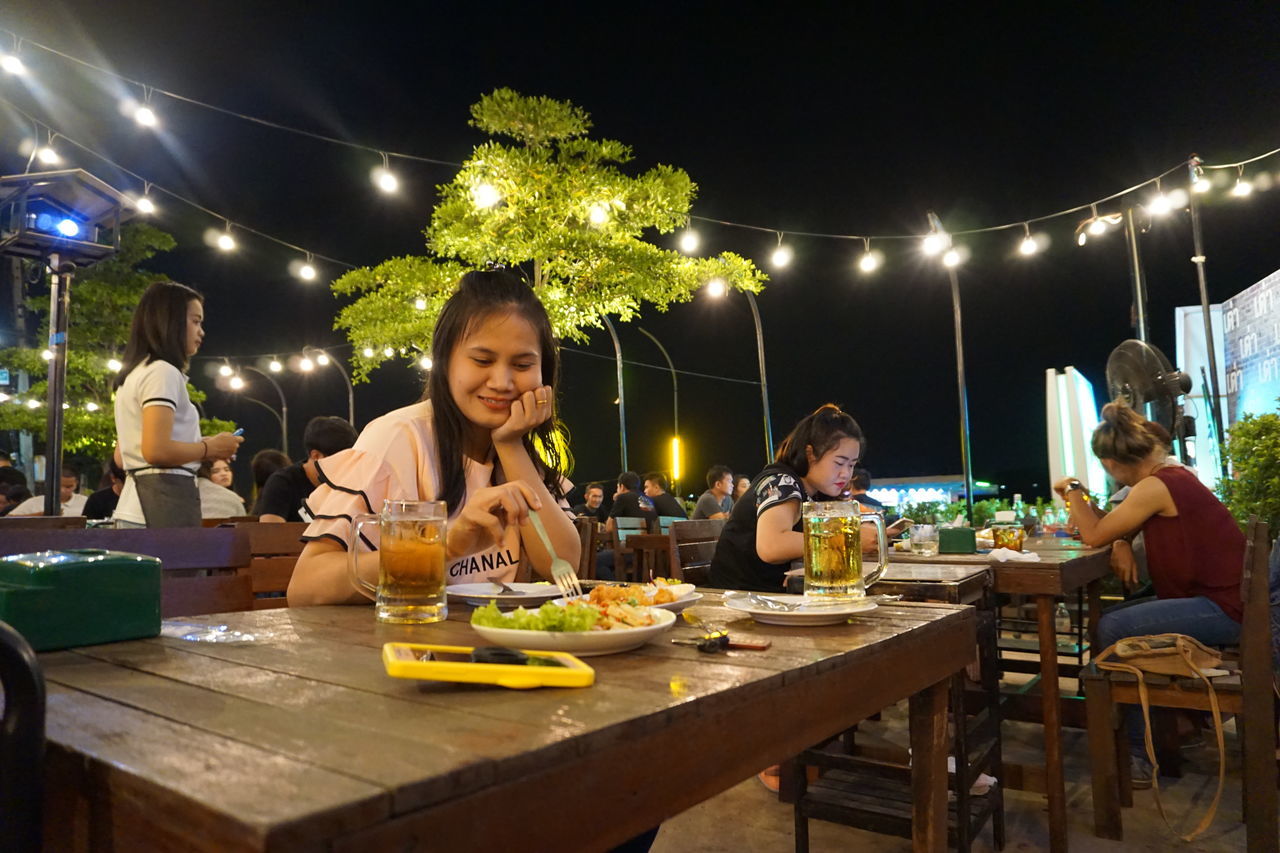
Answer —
(833, 549)
(411, 543)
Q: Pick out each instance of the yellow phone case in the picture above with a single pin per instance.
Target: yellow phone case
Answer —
(404, 660)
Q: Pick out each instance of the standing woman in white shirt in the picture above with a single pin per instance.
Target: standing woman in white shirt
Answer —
(157, 428)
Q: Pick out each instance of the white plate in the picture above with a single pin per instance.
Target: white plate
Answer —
(685, 597)
(480, 594)
(827, 614)
(581, 643)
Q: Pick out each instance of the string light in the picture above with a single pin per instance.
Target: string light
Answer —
(47, 155)
(92, 406)
(598, 213)
(485, 196)
(1242, 187)
(225, 369)
(12, 64)
(937, 240)
(33, 404)
(420, 304)
(367, 352)
(142, 112)
(47, 355)
(322, 359)
(782, 255)
(388, 352)
(306, 365)
(716, 288)
(275, 366)
(689, 241)
(1200, 182)
(225, 241)
(307, 271)
(870, 259)
(1159, 204)
(114, 365)
(384, 179)
(1028, 246)
(236, 383)
(951, 258)
(145, 205)
(425, 362)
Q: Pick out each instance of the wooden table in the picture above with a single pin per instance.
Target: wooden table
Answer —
(299, 740)
(1065, 566)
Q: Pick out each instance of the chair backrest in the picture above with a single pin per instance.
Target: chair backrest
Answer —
(1255, 629)
(587, 543)
(42, 522)
(275, 549)
(624, 527)
(693, 544)
(21, 743)
(664, 522)
(198, 564)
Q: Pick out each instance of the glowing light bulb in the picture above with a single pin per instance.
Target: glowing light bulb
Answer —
(66, 406)
(306, 365)
(934, 243)
(1201, 184)
(275, 366)
(307, 272)
(225, 370)
(420, 304)
(1178, 198)
(869, 262)
(47, 355)
(1028, 246)
(485, 196)
(951, 258)
(13, 65)
(1242, 188)
(47, 155)
(91, 406)
(598, 214)
(226, 242)
(782, 256)
(33, 404)
(114, 365)
(145, 205)
(1081, 238)
(68, 228)
(384, 180)
(367, 352)
(145, 116)
(1097, 226)
(236, 383)
(1159, 205)
(689, 241)
(425, 362)
(322, 359)
(388, 352)
(716, 287)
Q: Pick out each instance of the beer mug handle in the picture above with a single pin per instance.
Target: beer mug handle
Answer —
(882, 546)
(353, 551)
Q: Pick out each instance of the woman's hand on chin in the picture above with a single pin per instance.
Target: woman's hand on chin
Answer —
(529, 411)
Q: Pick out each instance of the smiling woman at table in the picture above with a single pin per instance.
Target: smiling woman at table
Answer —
(468, 442)
(762, 536)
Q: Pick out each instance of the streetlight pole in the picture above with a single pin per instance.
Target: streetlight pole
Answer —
(764, 382)
(622, 400)
(282, 415)
(1137, 277)
(963, 392)
(675, 399)
(1197, 239)
(351, 391)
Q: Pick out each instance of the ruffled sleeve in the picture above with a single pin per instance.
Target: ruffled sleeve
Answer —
(393, 459)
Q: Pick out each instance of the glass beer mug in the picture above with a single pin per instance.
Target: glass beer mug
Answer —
(833, 549)
(411, 542)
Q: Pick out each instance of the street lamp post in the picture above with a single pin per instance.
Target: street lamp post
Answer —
(764, 382)
(351, 391)
(622, 400)
(282, 415)
(675, 400)
(966, 460)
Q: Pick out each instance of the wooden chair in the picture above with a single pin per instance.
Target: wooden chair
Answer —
(590, 538)
(625, 560)
(693, 544)
(229, 520)
(199, 565)
(40, 522)
(1247, 693)
(664, 522)
(274, 549)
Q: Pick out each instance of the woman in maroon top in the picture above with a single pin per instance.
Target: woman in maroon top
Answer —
(1195, 550)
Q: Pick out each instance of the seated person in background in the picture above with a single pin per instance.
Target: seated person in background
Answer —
(656, 489)
(740, 487)
(284, 497)
(13, 488)
(763, 534)
(715, 501)
(72, 501)
(1195, 550)
(217, 501)
(630, 502)
(102, 503)
(592, 505)
(6, 460)
(263, 465)
(858, 485)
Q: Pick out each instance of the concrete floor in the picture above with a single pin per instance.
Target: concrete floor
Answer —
(747, 818)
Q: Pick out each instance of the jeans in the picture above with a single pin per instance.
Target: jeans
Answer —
(1196, 617)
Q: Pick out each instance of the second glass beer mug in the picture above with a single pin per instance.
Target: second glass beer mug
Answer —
(411, 543)
(833, 549)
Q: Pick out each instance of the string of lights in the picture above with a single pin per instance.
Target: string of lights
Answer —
(484, 196)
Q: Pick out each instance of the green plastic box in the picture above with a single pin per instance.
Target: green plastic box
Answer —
(957, 540)
(80, 597)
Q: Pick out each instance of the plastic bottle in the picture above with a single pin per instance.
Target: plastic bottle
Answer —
(1062, 619)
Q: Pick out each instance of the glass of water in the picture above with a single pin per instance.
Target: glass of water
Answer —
(924, 540)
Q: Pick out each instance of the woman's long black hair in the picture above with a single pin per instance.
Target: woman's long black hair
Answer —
(159, 329)
(821, 430)
(482, 294)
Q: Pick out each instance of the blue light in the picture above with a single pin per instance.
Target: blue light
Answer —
(44, 221)
(68, 228)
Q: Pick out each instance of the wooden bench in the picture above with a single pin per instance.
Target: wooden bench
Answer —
(199, 565)
(274, 549)
(693, 544)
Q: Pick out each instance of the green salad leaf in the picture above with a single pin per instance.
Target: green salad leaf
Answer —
(548, 617)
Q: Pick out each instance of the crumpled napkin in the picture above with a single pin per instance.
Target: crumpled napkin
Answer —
(1004, 555)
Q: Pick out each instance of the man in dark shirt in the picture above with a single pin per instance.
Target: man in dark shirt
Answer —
(630, 502)
(283, 497)
(858, 485)
(592, 505)
(102, 503)
(656, 489)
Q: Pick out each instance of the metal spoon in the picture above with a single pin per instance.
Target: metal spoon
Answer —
(502, 587)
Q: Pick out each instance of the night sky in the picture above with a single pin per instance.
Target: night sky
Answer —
(816, 119)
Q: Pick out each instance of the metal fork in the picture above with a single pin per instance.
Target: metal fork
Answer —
(561, 569)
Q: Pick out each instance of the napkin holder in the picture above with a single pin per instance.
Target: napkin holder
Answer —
(957, 540)
(80, 597)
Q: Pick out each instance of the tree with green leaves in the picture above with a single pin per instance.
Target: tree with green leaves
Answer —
(1253, 448)
(102, 301)
(559, 205)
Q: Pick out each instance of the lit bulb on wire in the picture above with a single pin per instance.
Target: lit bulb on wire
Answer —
(388, 352)
(11, 64)
(782, 256)
(951, 258)
(716, 288)
(307, 272)
(146, 116)
(1242, 187)
(91, 406)
(225, 370)
(425, 362)
(367, 352)
(1028, 245)
(322, 359)
(45, 154)
(689, 241)
(485, 196)
(145, 205)
(306, 365)
(870, 259)
(236, 383)
(275, 366)
(114, 365)
(598, 213)
(420, 304)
